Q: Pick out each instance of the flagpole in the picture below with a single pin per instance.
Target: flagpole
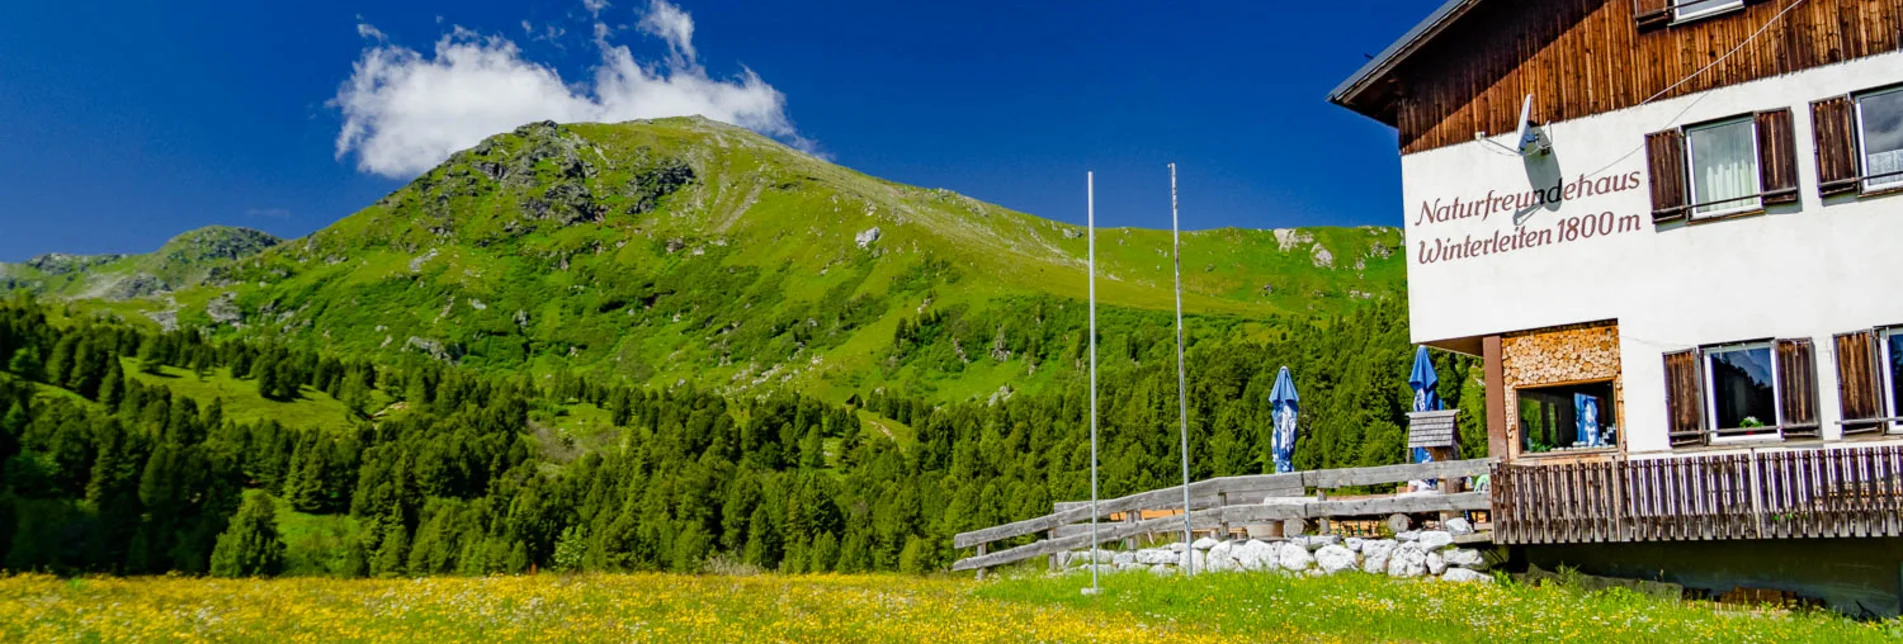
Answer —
(1182, 385)
(1090, 201)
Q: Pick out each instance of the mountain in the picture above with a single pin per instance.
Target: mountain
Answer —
(187, 260)
(683, 250)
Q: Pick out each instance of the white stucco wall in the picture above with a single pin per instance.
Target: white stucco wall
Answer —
(1807, 270)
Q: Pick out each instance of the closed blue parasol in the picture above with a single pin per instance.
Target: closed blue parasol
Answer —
(1426, 398)
(1287, 404)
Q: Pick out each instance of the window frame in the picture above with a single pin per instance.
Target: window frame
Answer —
(1886, 376)
(1864, 186)
(1717, 433)
(1608, 409)
(1756, 197)
(1679, 16)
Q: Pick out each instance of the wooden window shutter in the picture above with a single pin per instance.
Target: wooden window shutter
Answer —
(1665, 165)
(1859, 384)
(1835, 124)
(1685, 398)
(1777, 157)
(1652, 13)
(1797, 388)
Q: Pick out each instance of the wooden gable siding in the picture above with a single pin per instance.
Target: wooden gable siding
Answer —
(1584, 57)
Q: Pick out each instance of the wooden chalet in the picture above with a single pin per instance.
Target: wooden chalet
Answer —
(1673, 230)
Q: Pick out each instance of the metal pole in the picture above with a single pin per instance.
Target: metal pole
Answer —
(1090, 201)
(1182, 385)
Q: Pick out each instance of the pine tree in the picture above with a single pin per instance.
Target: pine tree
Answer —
(113, 390)
(60, 366)
(266, 372)
(148, 357)
(396, 549)
(250, 547)
(26, 363)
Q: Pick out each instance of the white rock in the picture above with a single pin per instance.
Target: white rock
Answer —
(1176, 547)
(1463, 575)
(1255, 555)
(1435, 564)
(1436, 539)
(1375, 555)
(1334, 559)
(1410, 535)
(1204, 543)
(1317, 542)
(1154, 556)
(1082, 557)
(1294, 557)
(1061, 559)
(1222, 557)
(1314, 572)
(1198, 558)
(1225, 563)
(1465, 558)
(1459, 527)
(1353, 543)
(1408, 560)
(1124, 558)
(866, 238)
(1161, 570)
(1131, 566)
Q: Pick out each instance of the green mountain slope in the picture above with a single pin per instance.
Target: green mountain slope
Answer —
(683, 250)
(185, 261)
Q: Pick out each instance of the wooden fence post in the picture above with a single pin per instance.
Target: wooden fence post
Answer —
(1222, 502)
(981, 570)
(1130, 516)
(1052, 534)
(1323, 525)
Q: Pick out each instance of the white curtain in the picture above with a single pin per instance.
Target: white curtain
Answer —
(1724, 167)
(1881, 163)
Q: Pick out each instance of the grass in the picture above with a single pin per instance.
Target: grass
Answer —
(877, 608)
(311, 409)
(1357, 607)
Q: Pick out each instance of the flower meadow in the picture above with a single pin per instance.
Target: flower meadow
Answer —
(869, 608)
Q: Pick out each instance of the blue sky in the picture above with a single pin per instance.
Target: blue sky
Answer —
(124, 123)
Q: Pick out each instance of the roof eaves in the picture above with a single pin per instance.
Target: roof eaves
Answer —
(1409, 43)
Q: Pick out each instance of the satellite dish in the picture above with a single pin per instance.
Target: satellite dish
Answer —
(1528, 140)
(1532, 140)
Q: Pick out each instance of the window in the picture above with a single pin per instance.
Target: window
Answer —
(1693, 9)
(1753, 389)
(1880, 130)
(1724, 167)
(1567, 417)
(1893, 369)
(1737, 165)
(1742, 380)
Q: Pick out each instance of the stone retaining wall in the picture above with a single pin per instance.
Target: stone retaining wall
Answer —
(1426, 553)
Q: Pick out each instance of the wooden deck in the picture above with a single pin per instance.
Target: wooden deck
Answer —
(1784, 494)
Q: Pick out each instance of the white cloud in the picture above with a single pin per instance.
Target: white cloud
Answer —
(406, 111)
(594, 7)
(674, 26)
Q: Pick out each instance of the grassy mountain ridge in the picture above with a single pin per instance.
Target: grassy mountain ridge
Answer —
(682, 250)
(185, 261)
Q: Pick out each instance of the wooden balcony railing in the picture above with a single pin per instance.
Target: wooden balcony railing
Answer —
(1786, 494)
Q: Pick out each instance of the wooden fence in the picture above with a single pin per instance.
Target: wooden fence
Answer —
(1221, 504)
(1786, 494)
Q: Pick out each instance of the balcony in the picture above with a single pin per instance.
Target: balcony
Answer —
(1784, 494)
